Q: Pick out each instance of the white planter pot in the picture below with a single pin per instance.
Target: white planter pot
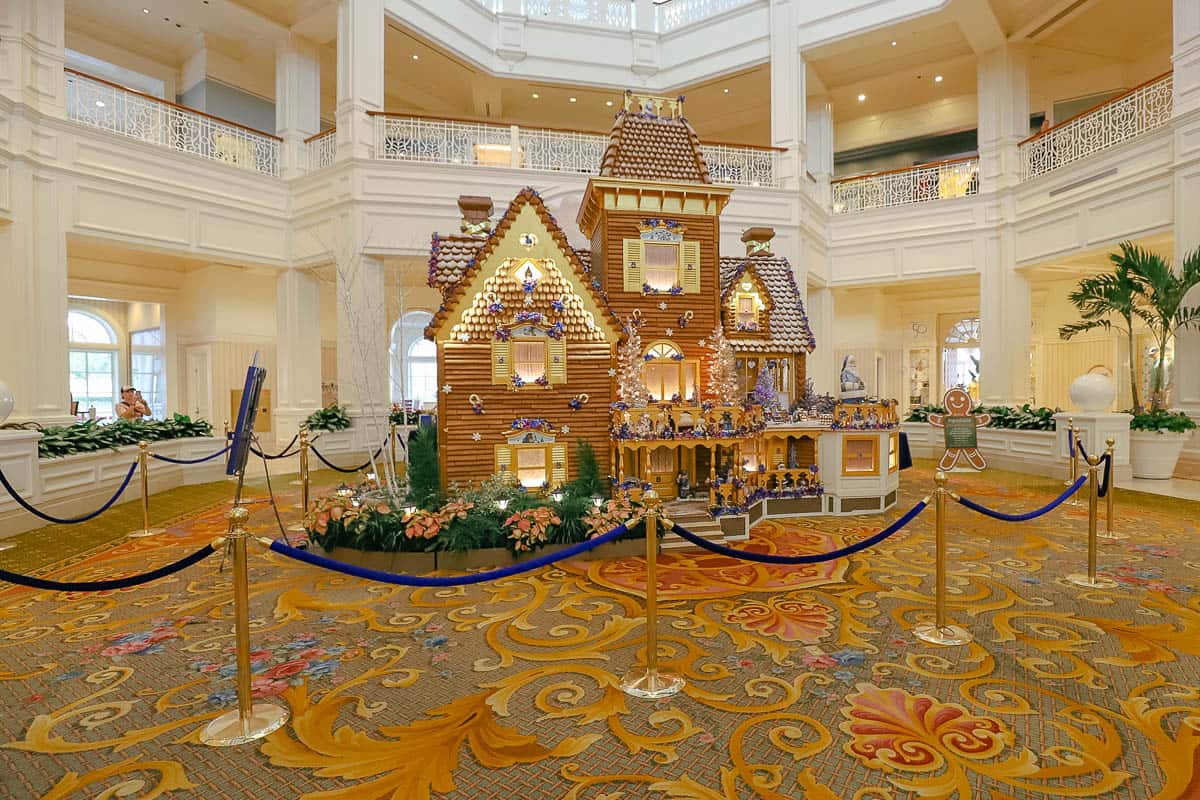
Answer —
(1154, 455)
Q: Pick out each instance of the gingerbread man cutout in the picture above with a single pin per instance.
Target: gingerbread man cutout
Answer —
(960, 426)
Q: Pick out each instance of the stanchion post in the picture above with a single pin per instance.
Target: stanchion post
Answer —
(1090, 580)
(304, 485)
(1073, 459)
(251, 720)
(940, 631)
(144, 469)
(1109, 532)
(392, 439)
(648, 681)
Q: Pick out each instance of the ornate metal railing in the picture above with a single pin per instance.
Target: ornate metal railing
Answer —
(321, 149)
(603, 13)
(1138, 111)
(939, 180)
(96, 102)
(449, 141)
(677, 13)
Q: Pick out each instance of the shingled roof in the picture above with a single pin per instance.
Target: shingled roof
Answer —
(788, 324)
(651, 140)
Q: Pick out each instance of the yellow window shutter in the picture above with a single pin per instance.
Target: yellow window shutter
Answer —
(558, 464)
(503, 459)
(689, 269)
(501, 363)
(634, 255)
(557, 371)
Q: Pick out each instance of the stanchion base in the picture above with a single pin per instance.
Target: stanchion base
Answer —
(1082, 579)
(142, 533)
(650, 683)
(948, 635)
(1115, 536)
(295, 483)
(297, 528)
(227, 730)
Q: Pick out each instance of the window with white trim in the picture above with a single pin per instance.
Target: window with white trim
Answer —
(147, 369)
(92, 362)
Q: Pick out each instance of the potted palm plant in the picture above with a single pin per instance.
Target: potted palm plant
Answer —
(1144, 286)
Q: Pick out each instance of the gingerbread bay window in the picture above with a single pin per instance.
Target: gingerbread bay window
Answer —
(528, 356)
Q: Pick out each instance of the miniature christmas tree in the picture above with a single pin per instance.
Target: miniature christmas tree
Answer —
(630, 387)
(722, 370)
(765, 394)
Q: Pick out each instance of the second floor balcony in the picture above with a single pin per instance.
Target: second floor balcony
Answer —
(939, 180)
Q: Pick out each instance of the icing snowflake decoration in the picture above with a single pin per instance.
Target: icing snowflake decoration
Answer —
(446, 388)
(662, 306)
(476, 436)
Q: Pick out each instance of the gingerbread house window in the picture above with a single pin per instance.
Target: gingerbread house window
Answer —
(747, 306)
(529, 359)
(535, 460)
(667, 374)
(527, 356)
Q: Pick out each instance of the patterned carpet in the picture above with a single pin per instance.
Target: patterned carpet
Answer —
(802, 683)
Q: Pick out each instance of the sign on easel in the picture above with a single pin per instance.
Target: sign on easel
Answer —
(960, 430)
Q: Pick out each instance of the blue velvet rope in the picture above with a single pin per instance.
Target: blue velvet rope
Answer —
(1082, 449)
(326, 462)
(815, 558)
(458, 580)
(170, 460)
(1046, 509)
(1107, 459)
(65, 520)
(281, 454)
(111, 584)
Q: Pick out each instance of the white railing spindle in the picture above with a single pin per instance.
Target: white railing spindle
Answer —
(731, 165)
(923, 183)
(100, 104)
(601, 13)
(1132, 114)
(321, 149)
(678, 13)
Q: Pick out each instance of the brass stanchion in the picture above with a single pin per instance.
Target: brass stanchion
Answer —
(392, 439)
(648, 681)
(144, 468)
(304, 486)
(251, 720)
(1109, 532)
(939, 631)
(1073, 463)
(1090, 580)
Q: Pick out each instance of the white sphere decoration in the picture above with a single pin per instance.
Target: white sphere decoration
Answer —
(1093, 392)
(6, 401)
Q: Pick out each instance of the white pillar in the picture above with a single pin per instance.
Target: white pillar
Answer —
(31, 54)
(820, 364)
(359, 75)
(819, 150)
(1005, 326)
(33, 308)
(362, 351)
(297, 98)
(1003, 87)
(1186, 112)
(787, 92)
(298, 349)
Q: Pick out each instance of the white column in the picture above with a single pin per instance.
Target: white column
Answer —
(362, 352)
(1003, 84)
(1186, 111)
(297, 98)
(359, 75)
(820, 364)
(297, 348)
(819, 150)
(31, 54)
(33, 307)
(1005, 326)
(787, 92)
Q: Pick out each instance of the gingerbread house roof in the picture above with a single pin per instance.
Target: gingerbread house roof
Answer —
(455, 260)
(645, 146)
(788, 327)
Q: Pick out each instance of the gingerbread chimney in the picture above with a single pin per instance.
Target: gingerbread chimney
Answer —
(758, 241)
(476, 215)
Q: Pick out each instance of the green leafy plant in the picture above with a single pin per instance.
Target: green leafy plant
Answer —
(331, 418)
(1162, 422)
(1025, 418)
(398, 416)
(587, 482)
(424, 479)
(90, 437)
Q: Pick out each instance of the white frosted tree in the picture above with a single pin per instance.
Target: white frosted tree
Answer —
(722, 369)
(630, 387)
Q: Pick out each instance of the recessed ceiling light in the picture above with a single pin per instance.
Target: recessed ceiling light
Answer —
(862, 97)
(573, 99)
(608, 102)
(145, 11)
(726, 90)
(99, 104)
(535, 95)
(893, 42)
(416, 57)
(937, 78)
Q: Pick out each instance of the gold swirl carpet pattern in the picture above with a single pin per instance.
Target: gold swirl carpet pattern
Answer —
(801, 682)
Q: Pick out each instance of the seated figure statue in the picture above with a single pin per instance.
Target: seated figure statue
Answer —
(853, 390)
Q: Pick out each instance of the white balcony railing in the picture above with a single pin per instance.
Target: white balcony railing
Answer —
(447, 141)
(601, 13)
(96, 102)
(901, 187)
(321, 149)
(678, 13)
(1138, 111)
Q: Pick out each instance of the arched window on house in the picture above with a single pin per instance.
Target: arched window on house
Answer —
(413, 360)
(93, 362)
(960, 357)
